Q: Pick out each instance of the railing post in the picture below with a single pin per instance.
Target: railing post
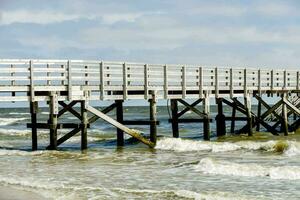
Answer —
(146, 82)
(231, 83)
(200, 83)
(166, 81)
(124, 81)
(32, 97)
(69, 67)
(183, 83)
(101, 68)
(216, 83)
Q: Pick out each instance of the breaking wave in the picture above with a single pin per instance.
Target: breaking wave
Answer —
(211, 166)
(289, 148)
(10, 121)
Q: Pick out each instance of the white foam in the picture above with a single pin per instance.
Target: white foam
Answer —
(16, 113)
(210, 166)
(186, 145)
(215, 195)
(9, 121)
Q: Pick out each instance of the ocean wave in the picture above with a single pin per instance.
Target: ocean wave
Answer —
(289, 148)
(214, 195)
(17, 113)
(10, 121)
(211, 166)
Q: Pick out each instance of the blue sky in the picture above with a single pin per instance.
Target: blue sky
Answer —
(227, 33)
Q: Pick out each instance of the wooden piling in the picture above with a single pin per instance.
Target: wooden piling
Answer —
(33, 113)
(249, 115)
(206, 120)
(258, 115)
(284, 125)
(84, 124)
(119, 113)
(53, 108)
(153, 129)
(233, 116)
(220, 119)
(174, 110)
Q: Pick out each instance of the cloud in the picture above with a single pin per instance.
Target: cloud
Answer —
(38, 17)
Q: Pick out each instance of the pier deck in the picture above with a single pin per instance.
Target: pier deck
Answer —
(68, 82)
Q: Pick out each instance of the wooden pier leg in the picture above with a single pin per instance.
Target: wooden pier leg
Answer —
(284, 124)
(233, 118)
(84, 124)
(258, 115)
(119, 113)
(153, 119)
(33, 113)
(206, 120)
(53, 105)
(249, 115)
(174, 110)
(220, 119)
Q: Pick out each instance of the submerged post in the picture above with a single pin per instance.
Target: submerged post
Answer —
(249, 115)
(153, 120)
(174, 110)
(84, 123)
(33, 113)
(220, 119)
(206, 120)
(119, 113)
(53, 106)
(284, 124)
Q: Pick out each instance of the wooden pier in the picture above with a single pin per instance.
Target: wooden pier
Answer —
(66, 83)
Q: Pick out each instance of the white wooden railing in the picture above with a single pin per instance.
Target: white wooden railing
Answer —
(24, 80)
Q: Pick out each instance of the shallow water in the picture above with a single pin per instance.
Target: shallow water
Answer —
(228, 168)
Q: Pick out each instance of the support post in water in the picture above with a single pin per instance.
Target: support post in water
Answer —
(206, 120)
(220, 119)
(153, 120)
(53, 105)
(33, 113)
(84, 125)
(119, 113)
(247, 99)
(174, 110)
(258, 115)
(284, 124)
(233, 115)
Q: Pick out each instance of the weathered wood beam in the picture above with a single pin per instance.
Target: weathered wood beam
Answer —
(133, 133)
(68, 107)
(138, 122)
(51, 126)
(192, 108)
(186, 109)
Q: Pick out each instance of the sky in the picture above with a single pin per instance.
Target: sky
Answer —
(217, 33)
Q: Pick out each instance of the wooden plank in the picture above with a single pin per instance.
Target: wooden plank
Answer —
(231, 83)
(146, 82)
(134, 133)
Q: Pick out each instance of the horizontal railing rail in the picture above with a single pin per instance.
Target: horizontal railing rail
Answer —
(22, 80)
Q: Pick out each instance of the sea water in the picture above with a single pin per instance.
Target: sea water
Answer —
(233, 167)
